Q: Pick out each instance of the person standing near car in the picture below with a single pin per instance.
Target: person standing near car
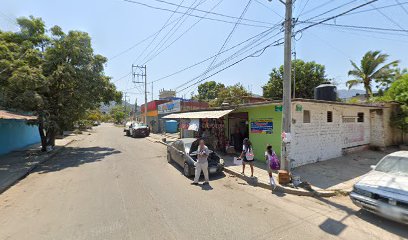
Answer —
(247, 155)
(202, 162)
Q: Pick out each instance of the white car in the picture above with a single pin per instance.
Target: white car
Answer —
(384, 190)
(128, 125)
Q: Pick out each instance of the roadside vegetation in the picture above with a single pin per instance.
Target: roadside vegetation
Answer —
(53, 74)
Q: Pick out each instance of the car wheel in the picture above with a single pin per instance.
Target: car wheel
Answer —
(186, 170)
(169, 157)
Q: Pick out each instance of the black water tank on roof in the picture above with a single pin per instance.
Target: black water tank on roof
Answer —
(326, 92)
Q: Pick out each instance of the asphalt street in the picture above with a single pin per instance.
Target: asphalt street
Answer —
(109, 186)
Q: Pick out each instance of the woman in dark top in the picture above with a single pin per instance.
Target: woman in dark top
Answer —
(247, 156)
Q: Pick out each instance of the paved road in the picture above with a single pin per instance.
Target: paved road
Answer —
(109, 186)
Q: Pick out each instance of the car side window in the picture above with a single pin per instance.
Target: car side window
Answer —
(180, 146)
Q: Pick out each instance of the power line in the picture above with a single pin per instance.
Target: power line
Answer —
(209, 58)
(335, 16)
(193, 15)
(176, 27)
(331, 10)
(160, 30)
(267, 7)
(180, 36)
(304, 6)
(301, 30)
(358, 27)
(236, 54)
(128, 74)
(212, 13)
(242, 59)
(228, 37)
(402, 7)
(370, 10)
(317, 7)
(387, 17)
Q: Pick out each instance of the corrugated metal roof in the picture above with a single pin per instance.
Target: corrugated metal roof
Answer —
(9, 115)
(201, 114)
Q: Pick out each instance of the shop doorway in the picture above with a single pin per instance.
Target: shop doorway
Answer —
(238, 129)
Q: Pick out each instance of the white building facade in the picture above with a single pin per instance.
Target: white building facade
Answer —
(324, 130)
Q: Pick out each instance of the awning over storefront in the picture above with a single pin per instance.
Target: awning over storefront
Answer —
(201, 114)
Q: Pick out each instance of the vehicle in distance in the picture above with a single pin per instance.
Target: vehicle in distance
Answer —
(139, 130)
(184, 153)
(127, 127)
(384, 190)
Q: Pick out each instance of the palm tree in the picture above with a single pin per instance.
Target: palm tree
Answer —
(372, 68)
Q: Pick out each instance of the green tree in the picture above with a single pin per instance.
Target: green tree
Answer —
(209, 90)
(232, 95)
(118, 113)
(372, 69)
(308, 75)
(57, 77)
(398, 92)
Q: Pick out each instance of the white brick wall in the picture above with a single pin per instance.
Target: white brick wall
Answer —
(321, 140)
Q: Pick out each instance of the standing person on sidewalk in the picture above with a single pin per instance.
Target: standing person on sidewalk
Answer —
(247, 156)
(202, 162)
(270, 158)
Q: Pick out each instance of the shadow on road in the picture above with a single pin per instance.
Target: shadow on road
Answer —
(335, 227)
(74, 157)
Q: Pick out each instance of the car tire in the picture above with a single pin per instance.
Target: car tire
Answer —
(186, 170)
(169, 160)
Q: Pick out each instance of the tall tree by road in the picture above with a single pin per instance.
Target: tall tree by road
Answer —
(209, 90)
(308, 75)
(372, 69)
(58, 77)
(231, 95)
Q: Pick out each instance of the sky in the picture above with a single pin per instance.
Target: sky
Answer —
(116, 27)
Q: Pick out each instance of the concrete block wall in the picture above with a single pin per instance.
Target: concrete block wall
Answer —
(321, 140)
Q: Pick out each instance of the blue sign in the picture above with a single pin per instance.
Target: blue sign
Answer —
(262, 126)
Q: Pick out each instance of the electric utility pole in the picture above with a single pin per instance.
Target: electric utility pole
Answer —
(287, 66)
(141, 72)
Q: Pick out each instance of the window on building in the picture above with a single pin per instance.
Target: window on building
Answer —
(306, 116)
(360, 117)
(329, 116)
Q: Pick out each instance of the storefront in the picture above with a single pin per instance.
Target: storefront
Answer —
(263, 126)
(226, 129)
(209, 125)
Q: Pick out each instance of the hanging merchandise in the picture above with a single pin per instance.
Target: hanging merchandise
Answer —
(194, 125)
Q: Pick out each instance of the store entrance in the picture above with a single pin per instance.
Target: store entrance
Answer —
(237, 129)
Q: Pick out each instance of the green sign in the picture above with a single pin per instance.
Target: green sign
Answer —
(278, 108)
(299, 108)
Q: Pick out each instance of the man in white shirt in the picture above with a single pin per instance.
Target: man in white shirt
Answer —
(202, 162)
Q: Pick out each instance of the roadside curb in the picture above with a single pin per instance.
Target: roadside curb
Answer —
(46, 157)
(280, 188)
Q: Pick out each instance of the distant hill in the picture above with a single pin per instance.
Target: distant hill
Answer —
(344, 93)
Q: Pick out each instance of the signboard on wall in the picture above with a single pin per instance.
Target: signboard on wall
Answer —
(262, 126)
(278, 108)
(174, 106)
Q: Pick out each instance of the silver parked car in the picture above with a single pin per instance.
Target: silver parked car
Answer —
(184, 153)
(384, 190)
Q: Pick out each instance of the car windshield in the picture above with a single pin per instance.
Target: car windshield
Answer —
(194, 146)
(394, 165)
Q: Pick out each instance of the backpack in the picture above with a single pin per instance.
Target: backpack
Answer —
(249, 154)
(274, 161)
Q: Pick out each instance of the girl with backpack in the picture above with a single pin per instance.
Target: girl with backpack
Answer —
(272, 162)
(247, 156)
